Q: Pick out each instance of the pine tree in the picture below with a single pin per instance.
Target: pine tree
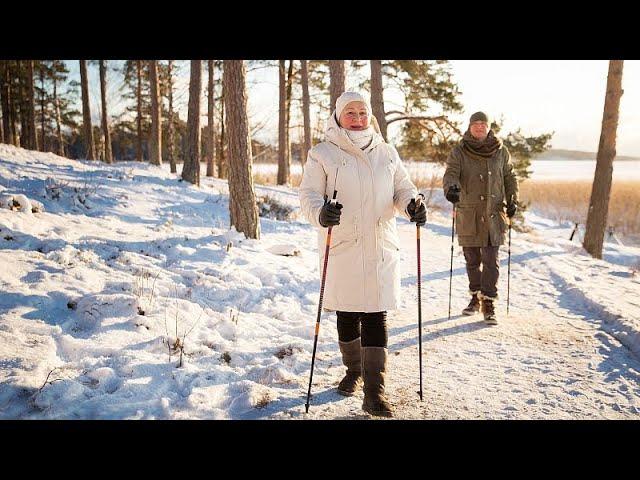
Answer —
(5, 93)
(242, 201)
(377, 98)
(155, 150)
(601, 189)
(86, 112)
(337, 79)
(191, 167)
(306, 114)
(211, 132)
(108, 155)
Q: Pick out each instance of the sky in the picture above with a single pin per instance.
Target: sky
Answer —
(539, 96)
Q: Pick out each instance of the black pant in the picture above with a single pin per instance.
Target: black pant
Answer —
(374, 328)
(485, 280)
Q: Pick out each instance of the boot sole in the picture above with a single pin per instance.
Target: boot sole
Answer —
(491, 322)
(468, 314)
(376, 413)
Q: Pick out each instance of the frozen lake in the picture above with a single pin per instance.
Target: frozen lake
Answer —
(541, 169)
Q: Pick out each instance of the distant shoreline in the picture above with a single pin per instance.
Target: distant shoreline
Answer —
(569, 155)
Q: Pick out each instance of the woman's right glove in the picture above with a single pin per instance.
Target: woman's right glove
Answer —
(330, 214)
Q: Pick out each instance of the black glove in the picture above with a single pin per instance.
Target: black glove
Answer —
(453, 194)
(330, 214)
(417, 214)
(512, 208)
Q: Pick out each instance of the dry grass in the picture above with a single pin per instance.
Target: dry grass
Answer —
(569, 201)
(271, 178)
(559, 200)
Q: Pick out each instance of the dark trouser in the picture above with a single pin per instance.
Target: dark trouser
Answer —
(485, 280)
(374, 328)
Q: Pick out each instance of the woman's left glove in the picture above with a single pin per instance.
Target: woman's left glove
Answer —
(418, 213)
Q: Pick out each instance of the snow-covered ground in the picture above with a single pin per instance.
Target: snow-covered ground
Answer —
(96, 290)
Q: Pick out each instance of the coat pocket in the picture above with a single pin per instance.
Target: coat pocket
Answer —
(466, 221)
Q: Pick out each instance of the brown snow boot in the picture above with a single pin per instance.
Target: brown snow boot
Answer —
(489, 311)
(374, 362)
(474, 305)
(351, 359)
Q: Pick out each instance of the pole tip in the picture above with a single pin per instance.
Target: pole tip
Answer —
(306, 408)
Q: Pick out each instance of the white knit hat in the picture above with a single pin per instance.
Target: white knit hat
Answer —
(348, 97)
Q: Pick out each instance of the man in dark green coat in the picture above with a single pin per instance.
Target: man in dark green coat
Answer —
(480, 181)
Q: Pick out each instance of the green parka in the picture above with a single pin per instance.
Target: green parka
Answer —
(486, 185)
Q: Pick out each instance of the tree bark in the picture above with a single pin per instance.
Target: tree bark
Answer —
(86, 112)
(222, 166)
(5, 91)
(283, 147)
(191, 167)
(305, 111)
(21, 102)
(108, 155)
(31, 108)
(56, 104)
(43, 107)
(139, 111)
(377, 98)
(156, 126)
(242, 201)
(14, 100)
(601, 189)
(211, 133)
(170, 140)
(336, 76)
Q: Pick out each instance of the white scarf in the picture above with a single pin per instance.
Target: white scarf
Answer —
(360, 138)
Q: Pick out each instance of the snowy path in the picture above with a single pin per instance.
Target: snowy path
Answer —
(548, 360)
(93, 290)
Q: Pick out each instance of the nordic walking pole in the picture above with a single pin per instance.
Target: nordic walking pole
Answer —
(418, 203)
(509, 262)
(324, 276)
(453, 226)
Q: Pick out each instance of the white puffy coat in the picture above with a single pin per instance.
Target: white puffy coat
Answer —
(363, 272)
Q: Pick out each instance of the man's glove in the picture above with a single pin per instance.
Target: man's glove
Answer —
(453, 194)
(330, 214)
(418, 214)
(512, 208)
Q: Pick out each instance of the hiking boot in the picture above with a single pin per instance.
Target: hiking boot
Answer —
(489, 311)
(351, 359)
(474, 305)
(374, 362)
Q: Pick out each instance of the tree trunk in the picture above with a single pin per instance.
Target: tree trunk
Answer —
(139, 111)
(211, 133)
(191, 167)
(108, 156)
(377, 99)
(283, 147)
(56, 104)
(170, 146)
(5, 91)
(14, 101)
(336, 76)
(305, 111)
(22, 104)
(43, 106)
(31, 108)
(601, 190)
(156, 127)
(242, 199)
(222, 167)
(86, 112)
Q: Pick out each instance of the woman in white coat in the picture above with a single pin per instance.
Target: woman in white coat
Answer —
(363, 275)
